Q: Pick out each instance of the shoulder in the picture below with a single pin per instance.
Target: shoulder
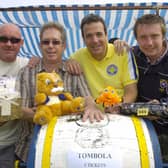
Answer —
(111, 52)
(79, 52)
(71, 77)
(110, 48)
(22, 61)
(24, 70)
(28, 72)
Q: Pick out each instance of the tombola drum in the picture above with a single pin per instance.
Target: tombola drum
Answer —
(117, 141)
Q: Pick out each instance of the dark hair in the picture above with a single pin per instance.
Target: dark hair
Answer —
(150, 19)
(54, 25)
(90, 18)
(113, 39)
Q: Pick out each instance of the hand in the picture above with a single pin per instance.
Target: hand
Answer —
(33, 61)
(112, 109)
(154, 101)
(121, 46)
(28, 113)
(93, 113)
(73, 67)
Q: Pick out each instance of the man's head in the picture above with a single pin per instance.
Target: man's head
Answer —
(94, 33)
(150, 19)
(150, 32)
(52, 41)
(10, 42)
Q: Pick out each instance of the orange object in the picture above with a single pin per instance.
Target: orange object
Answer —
(108, 97)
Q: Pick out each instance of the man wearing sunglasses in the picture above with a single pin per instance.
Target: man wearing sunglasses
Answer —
(52, 45)
(10, 43)
(10, 63)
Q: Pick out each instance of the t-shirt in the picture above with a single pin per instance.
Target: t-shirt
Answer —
(9, 130)
(112, 70)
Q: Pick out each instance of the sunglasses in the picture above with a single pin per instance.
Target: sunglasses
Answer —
(13, 40)
(54, 42)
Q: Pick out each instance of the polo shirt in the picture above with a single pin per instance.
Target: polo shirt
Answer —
(112, 70)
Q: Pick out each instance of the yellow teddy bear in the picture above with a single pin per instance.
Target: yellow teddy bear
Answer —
(51, 99)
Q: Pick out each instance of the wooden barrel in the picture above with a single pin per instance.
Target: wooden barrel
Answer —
(116, 142)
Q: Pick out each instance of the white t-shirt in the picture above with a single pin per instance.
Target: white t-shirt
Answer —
(12, 68)
(9, 131)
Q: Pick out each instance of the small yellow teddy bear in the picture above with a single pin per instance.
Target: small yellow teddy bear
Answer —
(108, 97)
(51, 99)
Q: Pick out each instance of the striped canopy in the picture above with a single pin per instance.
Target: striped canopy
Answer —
(119, 19)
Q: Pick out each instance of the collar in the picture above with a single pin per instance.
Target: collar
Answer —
(61, 67)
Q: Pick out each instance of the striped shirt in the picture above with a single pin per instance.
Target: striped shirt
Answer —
(75, 84)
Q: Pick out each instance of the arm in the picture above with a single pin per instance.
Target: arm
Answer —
(24, 87)
(130, 78)
(130, 93)
(28, 113)
(91, 112)
(40, 98)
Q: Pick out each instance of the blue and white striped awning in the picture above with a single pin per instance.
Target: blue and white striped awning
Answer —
(119, 18)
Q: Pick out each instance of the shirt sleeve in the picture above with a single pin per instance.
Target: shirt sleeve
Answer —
(76, 85)
(130, 73)
(83, 86)
(23, 85)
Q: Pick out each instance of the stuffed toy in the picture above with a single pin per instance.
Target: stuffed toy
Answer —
(51, 99)
(108, 97)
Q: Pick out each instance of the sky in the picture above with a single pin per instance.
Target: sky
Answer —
(17, 3)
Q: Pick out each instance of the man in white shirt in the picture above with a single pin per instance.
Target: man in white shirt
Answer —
(10, 63)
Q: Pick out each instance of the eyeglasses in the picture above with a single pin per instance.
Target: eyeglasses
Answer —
(13, 40)
(54, 42)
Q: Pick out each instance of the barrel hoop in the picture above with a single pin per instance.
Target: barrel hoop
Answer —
(155, 143)
(141, 142)
(32, 150)
(48, 143)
